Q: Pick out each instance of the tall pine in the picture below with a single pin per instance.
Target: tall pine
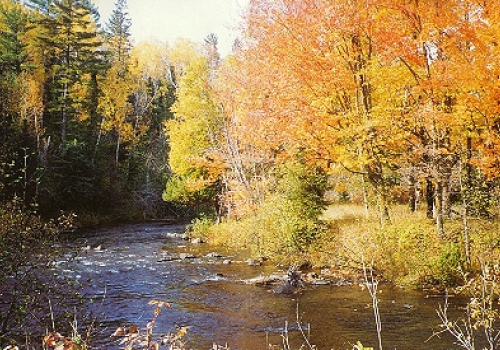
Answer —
(118, 34)
(69, 29)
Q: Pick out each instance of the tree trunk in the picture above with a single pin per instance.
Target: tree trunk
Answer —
(429, 196)
(64, 126)
(446, 196)
(94, 115)
(365, 196)
(464, 187)
(438, 199)
(65, 106)
(412, 200)
(465, 224)
(117, 150)
(383, 206)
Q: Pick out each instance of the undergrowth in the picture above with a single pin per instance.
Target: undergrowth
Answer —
(285, 224)
(30, 292)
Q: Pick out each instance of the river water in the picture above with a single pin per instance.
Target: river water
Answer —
(123, 268)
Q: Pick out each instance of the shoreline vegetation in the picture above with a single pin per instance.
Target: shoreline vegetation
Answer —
(406, 251)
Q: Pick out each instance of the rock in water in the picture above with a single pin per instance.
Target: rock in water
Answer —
(291, 285)
(186, 256)
(253, 262)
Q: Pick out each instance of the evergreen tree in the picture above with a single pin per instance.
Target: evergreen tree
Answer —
(72, 58)
(70, 30)
(43, 6)
(75, 46)
(118, 34)
(13, 46)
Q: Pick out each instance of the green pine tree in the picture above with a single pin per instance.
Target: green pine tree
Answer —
(118, 34)
(71, 31)
(13, 45)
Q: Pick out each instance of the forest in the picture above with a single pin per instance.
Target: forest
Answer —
(335, 133)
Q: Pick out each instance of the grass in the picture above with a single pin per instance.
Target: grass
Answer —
(344, 212)
(407, 250)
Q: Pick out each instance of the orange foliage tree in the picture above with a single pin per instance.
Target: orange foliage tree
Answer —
(387, 89)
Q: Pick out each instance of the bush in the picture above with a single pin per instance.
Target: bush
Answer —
(450, 265)
(300, 199)
(200, 227)
(405, 249)
(27, 249)
(288, 219)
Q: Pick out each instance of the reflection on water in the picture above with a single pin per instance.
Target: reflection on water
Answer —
(124, 268)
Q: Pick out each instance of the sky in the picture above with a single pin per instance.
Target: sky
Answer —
(168, 20)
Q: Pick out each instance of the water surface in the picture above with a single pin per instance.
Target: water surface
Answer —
(123, 268)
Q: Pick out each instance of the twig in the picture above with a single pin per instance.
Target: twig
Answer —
(286, 344)
(299, 324)
(372, 285)
(464, 337)
(52, 317)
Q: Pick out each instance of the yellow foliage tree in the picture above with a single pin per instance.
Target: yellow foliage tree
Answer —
(194, 133)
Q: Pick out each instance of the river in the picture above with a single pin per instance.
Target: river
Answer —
(124, 268)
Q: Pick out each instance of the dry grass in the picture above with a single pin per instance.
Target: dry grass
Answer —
(406, 250)
(345, 212)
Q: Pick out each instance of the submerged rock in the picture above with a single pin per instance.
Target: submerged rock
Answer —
(213, 255)
(291, 285)
(265, 280)
(176, 235)
(320, 283)
(253, 262)
(167, 258)
(186, 256)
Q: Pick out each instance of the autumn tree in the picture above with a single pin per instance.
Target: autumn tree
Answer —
(194, 130)
(114, 104)
(362, 84)
(437, 61)
(294, 106)
(19, 126)
(116, 109)
(137, 93)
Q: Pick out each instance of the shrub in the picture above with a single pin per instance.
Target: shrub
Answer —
(287, 221)
(26, 249)
(300, 199)
(410, 251)
(200, 227)
(404, 250)
(450, 265)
